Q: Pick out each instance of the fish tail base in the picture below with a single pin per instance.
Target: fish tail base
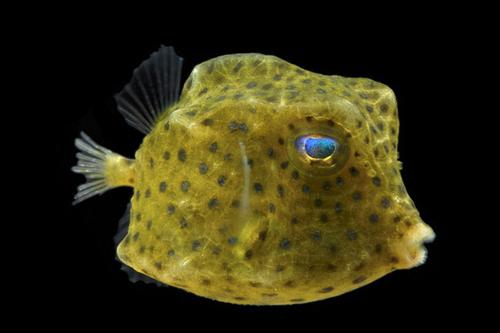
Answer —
(102, 168)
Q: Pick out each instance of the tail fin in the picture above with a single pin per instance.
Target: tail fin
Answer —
(102, 168)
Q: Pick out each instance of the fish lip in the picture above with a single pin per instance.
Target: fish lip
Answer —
(411, 248)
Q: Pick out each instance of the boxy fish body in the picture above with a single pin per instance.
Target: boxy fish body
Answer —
(262, 184)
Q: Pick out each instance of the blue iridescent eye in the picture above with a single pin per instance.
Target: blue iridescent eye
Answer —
(316, 146)
(319, 151)
(320, 147)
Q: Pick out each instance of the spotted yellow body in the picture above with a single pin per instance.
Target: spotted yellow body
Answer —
(226, 208)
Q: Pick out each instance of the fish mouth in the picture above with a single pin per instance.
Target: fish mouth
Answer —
(411, 249)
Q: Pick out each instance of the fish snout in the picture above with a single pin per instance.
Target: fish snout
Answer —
(410, 248)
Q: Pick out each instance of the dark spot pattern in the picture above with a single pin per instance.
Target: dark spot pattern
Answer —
(359, 279)
(207, 122)
(203, 168)
(248, 254)
(331, 268)
(325, 290)
(258, 187)
(203, 91)
(213, 147)
(280, 268)
(285, 244)
(374, 218)
(213, 202)
(221, 180)
(232, 240)
(163, 186)
(185, 185)
(338, 207)
(352, 235)
(385, 202)
(357, 196)
(281, 190)
(297, 300)
(196, 245)
(181, 155)
(235, 126)
(316, 235)
(237, 68)
(327, 186)
(272, 208)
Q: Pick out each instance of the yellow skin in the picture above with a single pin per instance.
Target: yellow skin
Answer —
(225, 206)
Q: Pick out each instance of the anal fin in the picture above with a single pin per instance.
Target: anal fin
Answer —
(122, 231)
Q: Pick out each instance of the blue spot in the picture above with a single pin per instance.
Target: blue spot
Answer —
(320, 147)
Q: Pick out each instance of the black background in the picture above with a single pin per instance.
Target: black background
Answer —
(95, 64)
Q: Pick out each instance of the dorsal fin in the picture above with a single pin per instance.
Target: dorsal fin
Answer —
(154, 86)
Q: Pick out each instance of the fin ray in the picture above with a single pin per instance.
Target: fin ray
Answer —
(154, 86)
(91, 163)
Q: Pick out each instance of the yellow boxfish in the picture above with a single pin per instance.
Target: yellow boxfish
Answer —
(260, 182)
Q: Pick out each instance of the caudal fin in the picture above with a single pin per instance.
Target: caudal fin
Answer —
(102, 168)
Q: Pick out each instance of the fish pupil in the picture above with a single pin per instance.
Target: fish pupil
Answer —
(320, 147)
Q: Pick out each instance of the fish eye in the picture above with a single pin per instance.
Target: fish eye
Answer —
(316, 148)
(318, 153)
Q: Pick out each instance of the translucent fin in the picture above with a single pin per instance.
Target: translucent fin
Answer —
(95, 162)
(122, 231)
(154, 86)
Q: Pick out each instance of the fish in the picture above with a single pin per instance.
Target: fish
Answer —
(259, 183)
